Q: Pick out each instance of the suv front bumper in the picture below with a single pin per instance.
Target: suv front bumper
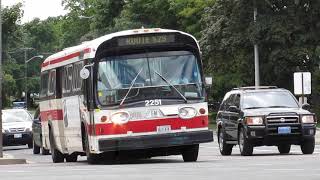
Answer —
(264, 135)
(155, 141)
(9, 139)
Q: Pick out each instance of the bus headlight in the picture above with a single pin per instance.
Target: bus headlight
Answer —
(120, 117)
(307, 119)
(187, 112)
(254, 120)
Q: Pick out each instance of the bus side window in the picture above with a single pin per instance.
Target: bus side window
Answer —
(77, 81)
(59, 83)
(67, 79)
(44, 84)
(52, 83)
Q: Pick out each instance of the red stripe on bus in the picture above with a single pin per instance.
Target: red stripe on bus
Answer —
(145, 126)
(65, 58)
(52, 115)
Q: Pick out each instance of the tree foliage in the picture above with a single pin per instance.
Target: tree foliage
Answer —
(287, 33)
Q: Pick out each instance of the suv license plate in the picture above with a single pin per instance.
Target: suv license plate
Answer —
(284, 130)
(163, 129)
(17, 136)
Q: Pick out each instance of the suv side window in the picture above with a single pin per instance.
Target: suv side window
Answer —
(236, 100)
(224, 101)
(229, 102)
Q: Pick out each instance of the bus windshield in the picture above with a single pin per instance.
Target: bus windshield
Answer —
(149, 75)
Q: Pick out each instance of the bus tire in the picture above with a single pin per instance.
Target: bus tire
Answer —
(190, 153)
(71, 158)
(57, 156)
(45, 151)
(36, 149)
(91, 158)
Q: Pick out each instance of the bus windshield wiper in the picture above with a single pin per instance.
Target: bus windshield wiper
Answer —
(165, 80)
(278, 107)
(132, 84)
(254, 107)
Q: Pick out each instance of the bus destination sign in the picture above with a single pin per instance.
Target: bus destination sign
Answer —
(146, 40)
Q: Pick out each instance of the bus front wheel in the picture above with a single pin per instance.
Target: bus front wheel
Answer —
(91, 158)
(190, 153)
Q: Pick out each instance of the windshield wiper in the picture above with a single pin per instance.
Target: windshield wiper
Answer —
(278, 107)
(132, 84)
(254, 107)
(165, 80)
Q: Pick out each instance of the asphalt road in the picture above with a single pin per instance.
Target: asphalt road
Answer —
(266, 164)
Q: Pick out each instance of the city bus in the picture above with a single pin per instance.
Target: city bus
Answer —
(135, 93)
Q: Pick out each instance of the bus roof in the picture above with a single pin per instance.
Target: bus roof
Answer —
(87, 49)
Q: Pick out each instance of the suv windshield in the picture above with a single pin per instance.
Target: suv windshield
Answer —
(265, 99)
(144, 72)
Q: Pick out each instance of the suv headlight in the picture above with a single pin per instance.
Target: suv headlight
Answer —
(120, 117)
(187, 112)
(307, 119)
(4, 130)
(254, 120)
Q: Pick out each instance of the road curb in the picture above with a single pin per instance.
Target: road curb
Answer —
(12, 161)
(8, 160)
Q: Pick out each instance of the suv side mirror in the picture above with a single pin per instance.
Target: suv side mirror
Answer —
(306, 106)
(37, 120)
(233, 109)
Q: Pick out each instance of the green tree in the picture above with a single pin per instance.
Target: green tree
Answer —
(287, 33)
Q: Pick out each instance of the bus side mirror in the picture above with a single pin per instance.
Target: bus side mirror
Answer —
(208, 81)
(84, 73)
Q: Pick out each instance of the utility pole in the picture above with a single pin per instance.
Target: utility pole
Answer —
(1, 143)
(25, 76)
(256, 50)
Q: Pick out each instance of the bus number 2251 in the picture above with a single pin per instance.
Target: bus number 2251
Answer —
(155, 102)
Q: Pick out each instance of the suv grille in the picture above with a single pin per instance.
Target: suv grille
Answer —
(14, 130)
(282, 119)
(274, 121)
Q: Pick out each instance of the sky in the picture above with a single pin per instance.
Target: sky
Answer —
(38, 8)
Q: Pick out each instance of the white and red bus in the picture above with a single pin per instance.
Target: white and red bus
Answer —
(136, 92)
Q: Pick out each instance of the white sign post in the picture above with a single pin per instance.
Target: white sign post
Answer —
(302, 85)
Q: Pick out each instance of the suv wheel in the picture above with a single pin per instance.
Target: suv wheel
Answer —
(284, 148)
(225, 149)
(307, 146)
(246, 148)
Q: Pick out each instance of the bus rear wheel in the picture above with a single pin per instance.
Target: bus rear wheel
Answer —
(57, 156)
(71, 158)
(190, 153)
(45, 151)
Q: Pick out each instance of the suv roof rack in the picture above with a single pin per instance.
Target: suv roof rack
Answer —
(255, 87)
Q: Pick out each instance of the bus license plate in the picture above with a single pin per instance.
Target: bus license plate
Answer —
(284, 130)
(163, 129)
(17, 136)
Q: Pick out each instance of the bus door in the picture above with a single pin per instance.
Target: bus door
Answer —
(71, 107)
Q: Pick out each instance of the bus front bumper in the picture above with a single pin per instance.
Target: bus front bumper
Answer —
(155, 141)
